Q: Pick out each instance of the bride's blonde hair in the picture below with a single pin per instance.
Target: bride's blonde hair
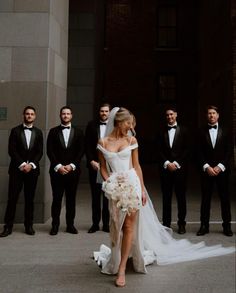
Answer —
(122, 114)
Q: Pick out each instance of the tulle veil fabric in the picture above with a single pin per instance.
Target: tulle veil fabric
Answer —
(155, 241)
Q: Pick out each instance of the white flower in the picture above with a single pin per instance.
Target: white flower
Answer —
(120, 188)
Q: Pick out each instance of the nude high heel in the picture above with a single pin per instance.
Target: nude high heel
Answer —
(120, 280)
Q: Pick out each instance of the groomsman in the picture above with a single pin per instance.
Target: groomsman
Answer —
(173, 154)
(215, 150)
(94, 131)
(65, 148)
(25, 149)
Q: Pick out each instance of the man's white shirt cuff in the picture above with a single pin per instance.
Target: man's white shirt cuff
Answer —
(73, 166)
(57, 167)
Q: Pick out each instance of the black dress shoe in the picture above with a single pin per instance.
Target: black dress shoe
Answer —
(93, 229)
(106, 229)
(203, 230)
(227, 231)
(54, 230)
(6, 231)
(181, 229)
(71, 229)
(29, 230)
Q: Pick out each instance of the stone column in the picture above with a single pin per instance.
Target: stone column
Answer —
(33, 71)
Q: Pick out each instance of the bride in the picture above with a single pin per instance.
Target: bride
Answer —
(135, 230)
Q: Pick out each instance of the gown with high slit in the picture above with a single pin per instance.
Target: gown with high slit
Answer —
(152, 242)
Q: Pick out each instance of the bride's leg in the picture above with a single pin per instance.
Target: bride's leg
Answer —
(128, 232)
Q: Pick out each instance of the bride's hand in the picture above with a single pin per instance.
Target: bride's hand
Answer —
(144, 198)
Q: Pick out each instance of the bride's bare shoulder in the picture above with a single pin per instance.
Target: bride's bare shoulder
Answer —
(133, 140)
(103, 141)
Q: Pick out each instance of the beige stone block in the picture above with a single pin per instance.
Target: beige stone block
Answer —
(51, 65)
(56, 99)
(16, 95)
(80, 95)
(6, 5)
(64, 45)
(24, 29)
(31, 6)
(60, 72)
(54, 34)
(5, 61)
(81, 57)
(60, 10)
(4, 158)
(29, 64)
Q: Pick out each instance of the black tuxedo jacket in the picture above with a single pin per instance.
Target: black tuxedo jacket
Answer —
(19, 151)
(222, 151)
(57, 151)
(92, 135)
(180, 148)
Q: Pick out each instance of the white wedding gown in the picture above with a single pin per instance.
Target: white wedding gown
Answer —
(152, 242)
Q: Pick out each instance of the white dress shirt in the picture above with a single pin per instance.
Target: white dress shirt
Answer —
(28, 138)
(213, 135)
(102, 129)
(171, 135)
(66, 135)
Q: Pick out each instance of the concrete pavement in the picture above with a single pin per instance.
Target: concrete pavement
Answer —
(63, 263)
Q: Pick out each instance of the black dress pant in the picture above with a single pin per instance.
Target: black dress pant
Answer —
(96, 191)
(173, 181)
(222, 185)
(64, 184)
(17, 181)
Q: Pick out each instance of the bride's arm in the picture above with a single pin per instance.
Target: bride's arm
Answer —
(103, 167)
(137, 167)
(102, 161)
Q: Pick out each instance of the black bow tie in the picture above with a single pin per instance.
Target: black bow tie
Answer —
(172, 127)
(64, 127)
(212, 126)
(102, 123)
(28, 128)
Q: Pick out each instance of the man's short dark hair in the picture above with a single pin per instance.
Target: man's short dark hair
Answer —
(28, 108)
(65, 107)
(212, 107)
(105, 104)
(170, 108)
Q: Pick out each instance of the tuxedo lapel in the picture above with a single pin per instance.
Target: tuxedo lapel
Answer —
(177, 132)
(98, 130)
(208, 138)
(61, 138)
(72, 133)
(219, 135)
(166, 138)
(32, 139)
(23, 138)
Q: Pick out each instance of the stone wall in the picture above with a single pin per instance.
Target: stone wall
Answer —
(33, 71)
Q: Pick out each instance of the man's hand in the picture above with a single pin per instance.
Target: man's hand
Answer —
(171, 167)
(63, 170)
(95, 165)
(217, 170)
(211, 172)
(26, 168)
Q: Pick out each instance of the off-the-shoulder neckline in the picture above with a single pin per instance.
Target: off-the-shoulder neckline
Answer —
(135, 144)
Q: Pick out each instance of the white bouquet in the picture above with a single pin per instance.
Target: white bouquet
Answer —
(121, 188)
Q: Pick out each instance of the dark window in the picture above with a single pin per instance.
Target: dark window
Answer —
(167, 26)
(167, 87)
